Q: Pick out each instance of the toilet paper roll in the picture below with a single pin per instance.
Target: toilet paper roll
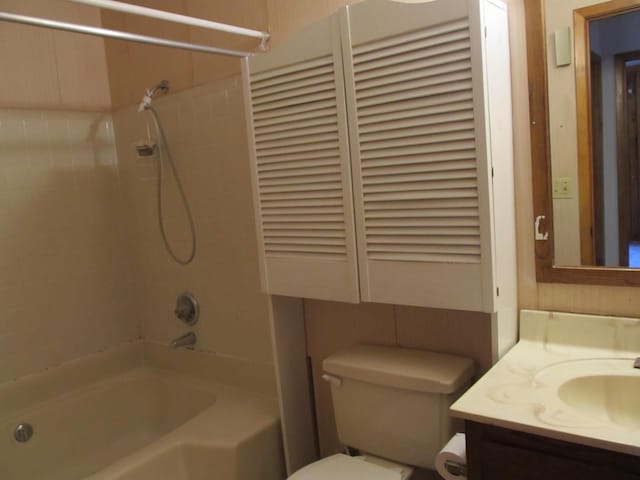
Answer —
(455, 452)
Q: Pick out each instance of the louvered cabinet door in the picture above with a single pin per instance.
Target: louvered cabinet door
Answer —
(413, 76)
(300, 167)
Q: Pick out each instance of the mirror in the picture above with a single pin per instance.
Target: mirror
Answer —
(592, 118)
(585, 170)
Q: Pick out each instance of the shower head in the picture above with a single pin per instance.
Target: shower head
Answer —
(162, 87)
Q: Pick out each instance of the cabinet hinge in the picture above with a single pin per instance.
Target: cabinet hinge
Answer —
(497, 291)
(491, 172)
(485, 32)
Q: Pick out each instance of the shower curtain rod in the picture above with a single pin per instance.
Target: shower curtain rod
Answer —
(175, 17)
(117, 34)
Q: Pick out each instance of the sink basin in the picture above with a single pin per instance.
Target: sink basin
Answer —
(610, 398)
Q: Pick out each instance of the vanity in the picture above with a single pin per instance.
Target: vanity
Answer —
(562, 404)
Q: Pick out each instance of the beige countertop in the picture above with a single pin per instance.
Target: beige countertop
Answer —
(527, 389)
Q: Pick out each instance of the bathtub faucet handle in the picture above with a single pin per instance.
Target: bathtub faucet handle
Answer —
(187, 308)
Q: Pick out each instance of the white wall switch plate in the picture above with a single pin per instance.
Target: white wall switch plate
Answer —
(562, 187)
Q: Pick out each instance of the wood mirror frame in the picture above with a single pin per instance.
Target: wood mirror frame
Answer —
(546, 271)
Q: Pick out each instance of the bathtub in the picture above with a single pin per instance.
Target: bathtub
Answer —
(121, 417)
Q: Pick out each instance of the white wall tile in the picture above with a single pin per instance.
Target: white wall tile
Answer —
(207, 138)
(65, 275)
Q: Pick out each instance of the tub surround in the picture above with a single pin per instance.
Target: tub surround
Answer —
(521, 392)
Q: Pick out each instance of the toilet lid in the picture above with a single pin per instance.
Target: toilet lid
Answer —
(344, 467)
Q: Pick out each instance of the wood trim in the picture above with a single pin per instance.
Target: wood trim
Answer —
(623, 167)
(540, 156)
(607, 9)
(538, 111)
(582, 49)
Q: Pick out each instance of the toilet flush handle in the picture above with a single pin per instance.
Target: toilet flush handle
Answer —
(333, 380)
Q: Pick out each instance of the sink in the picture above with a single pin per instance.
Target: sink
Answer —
(610, 398)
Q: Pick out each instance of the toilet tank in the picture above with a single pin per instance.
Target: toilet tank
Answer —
(394, 402)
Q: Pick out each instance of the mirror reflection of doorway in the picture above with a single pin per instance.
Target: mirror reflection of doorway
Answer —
(614, 110)
(627, 68)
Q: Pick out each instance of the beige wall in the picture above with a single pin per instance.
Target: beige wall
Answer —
(43, 68)
(206, 133)
(135, 67)
(65, 288)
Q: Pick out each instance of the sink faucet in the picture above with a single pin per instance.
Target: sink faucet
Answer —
(636, 363)
(186, 340)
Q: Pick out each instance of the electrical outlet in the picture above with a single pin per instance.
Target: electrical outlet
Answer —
(562, 187)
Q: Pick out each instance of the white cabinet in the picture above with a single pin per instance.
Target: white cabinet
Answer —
(374, 134)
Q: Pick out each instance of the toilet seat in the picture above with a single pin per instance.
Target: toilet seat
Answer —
(344, 467)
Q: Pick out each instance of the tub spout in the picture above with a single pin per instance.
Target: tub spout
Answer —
(186, 340)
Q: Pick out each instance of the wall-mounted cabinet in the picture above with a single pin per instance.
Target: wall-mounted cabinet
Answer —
(382, 157)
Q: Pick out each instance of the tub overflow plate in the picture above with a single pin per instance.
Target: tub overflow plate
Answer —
(23, 432)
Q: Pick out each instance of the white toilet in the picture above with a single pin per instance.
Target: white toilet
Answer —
(391, 404)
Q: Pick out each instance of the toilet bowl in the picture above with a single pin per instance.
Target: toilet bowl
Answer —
(392, 403)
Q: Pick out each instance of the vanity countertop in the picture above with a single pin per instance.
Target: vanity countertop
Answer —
(524, 391)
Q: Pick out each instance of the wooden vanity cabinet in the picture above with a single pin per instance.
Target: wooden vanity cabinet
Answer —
(495, 453)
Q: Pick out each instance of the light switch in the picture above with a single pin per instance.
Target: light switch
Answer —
(562, 187)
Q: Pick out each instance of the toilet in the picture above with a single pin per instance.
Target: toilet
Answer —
(391, 405)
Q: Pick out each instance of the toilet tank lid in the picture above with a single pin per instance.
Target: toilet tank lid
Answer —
(405, 368)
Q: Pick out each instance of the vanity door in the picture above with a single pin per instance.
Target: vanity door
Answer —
(499, 454)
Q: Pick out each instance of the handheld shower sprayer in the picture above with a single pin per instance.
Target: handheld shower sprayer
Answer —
(162, 87)
(149, 149)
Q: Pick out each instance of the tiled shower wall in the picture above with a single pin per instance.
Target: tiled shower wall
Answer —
(65, 283)
(206, 133)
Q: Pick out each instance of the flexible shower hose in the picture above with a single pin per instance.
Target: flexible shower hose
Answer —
(163, 148)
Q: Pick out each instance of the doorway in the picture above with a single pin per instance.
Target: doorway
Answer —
(627, 70)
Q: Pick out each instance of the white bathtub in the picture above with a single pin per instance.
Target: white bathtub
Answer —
(132, 421)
